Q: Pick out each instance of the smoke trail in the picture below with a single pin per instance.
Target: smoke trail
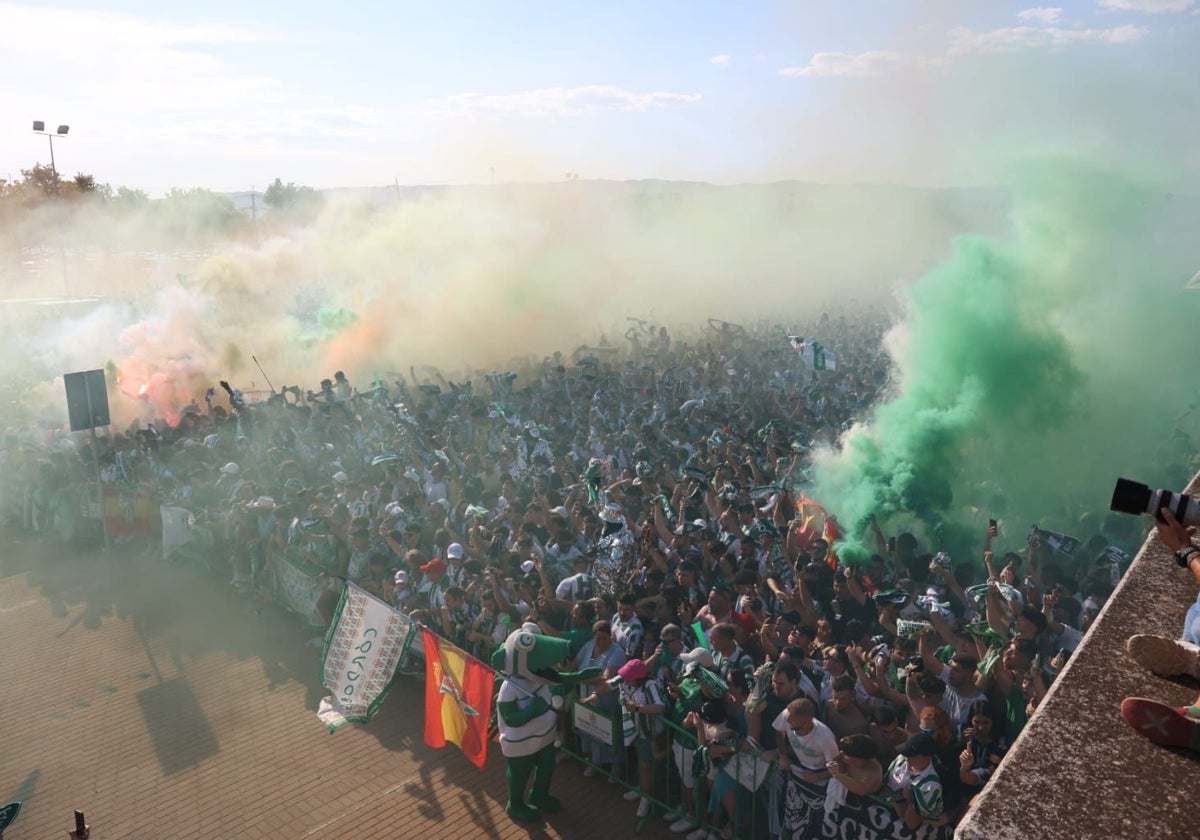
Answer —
(1032, 370)
(468, 279)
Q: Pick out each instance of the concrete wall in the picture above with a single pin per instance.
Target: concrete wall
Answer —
(1078, 770)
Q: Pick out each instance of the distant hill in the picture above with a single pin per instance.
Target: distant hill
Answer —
(246, 201)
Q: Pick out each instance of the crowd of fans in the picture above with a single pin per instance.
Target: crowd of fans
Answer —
(646, 501)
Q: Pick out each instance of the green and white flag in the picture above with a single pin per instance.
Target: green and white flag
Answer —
(1059, 542)
(367, 642)
(815, 355)
(9, 813)
(819, 357)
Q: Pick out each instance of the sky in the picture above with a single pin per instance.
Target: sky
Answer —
(230, 95)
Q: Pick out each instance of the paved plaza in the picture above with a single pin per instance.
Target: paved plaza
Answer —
(162, 704)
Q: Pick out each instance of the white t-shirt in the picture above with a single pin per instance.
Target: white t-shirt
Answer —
(813, 750)
(1069, 638)
(957, 706)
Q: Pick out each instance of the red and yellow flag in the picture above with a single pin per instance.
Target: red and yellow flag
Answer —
(831, 532)
(458, 698)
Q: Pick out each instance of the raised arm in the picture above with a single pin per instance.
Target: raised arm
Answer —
(997, 614)
(858, 661)
(933, 665)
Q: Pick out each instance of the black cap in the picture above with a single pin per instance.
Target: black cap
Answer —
(920, 744)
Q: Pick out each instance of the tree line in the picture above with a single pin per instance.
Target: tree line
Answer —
(188, 212)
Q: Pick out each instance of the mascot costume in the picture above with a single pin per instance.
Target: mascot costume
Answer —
(527, 714)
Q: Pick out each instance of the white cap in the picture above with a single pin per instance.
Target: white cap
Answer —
(454, 551)
(528, 566)
(231, 469)
(340, 477)
(559, 511)
(701, 655)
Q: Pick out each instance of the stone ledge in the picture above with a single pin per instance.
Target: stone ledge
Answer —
(1078, 770)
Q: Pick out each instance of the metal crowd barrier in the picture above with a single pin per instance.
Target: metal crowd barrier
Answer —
(768, 802)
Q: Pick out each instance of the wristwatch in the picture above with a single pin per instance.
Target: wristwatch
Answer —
(1185, 554)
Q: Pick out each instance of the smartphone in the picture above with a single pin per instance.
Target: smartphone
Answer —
(992, 523)
(891, 543)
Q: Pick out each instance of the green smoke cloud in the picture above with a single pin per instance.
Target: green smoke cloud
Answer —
(1031, 371)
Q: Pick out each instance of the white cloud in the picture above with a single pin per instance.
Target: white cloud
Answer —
(65, 33)
(1041, 14)
(557, 101)
(1153, 7)
(856, 65)
(720, 60)
(965, 41)
(128, 63)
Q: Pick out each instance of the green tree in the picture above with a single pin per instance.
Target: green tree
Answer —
(197, 213)
(84, 183)
(129, 198)
(292, 198)
(39, 183)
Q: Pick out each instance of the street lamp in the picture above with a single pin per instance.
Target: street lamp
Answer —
(39, 127)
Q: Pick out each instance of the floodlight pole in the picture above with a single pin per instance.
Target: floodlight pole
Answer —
(39, 128)
(53, 167)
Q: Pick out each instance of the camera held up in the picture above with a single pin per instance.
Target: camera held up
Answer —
(1134, 497)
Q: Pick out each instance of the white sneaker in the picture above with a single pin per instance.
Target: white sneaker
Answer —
(699, 834)
(670, 815)
(589, 772)
(631, 795)
(644, 807)
(1164, 657)
(682, 824)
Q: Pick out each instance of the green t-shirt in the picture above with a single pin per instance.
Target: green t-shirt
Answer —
(1014, 702)
(1015, 717)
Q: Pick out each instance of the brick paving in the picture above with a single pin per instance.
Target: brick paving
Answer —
(161, 704)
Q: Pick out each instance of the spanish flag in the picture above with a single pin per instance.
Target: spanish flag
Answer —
(458, 698)
(831, 532)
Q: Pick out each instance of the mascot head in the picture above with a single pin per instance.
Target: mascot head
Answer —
(529, 653)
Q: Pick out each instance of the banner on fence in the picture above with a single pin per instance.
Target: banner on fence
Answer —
(127, 514)
(299, 586)
(588, 721)
(749, 769)
(368, 641)
(804, 815)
